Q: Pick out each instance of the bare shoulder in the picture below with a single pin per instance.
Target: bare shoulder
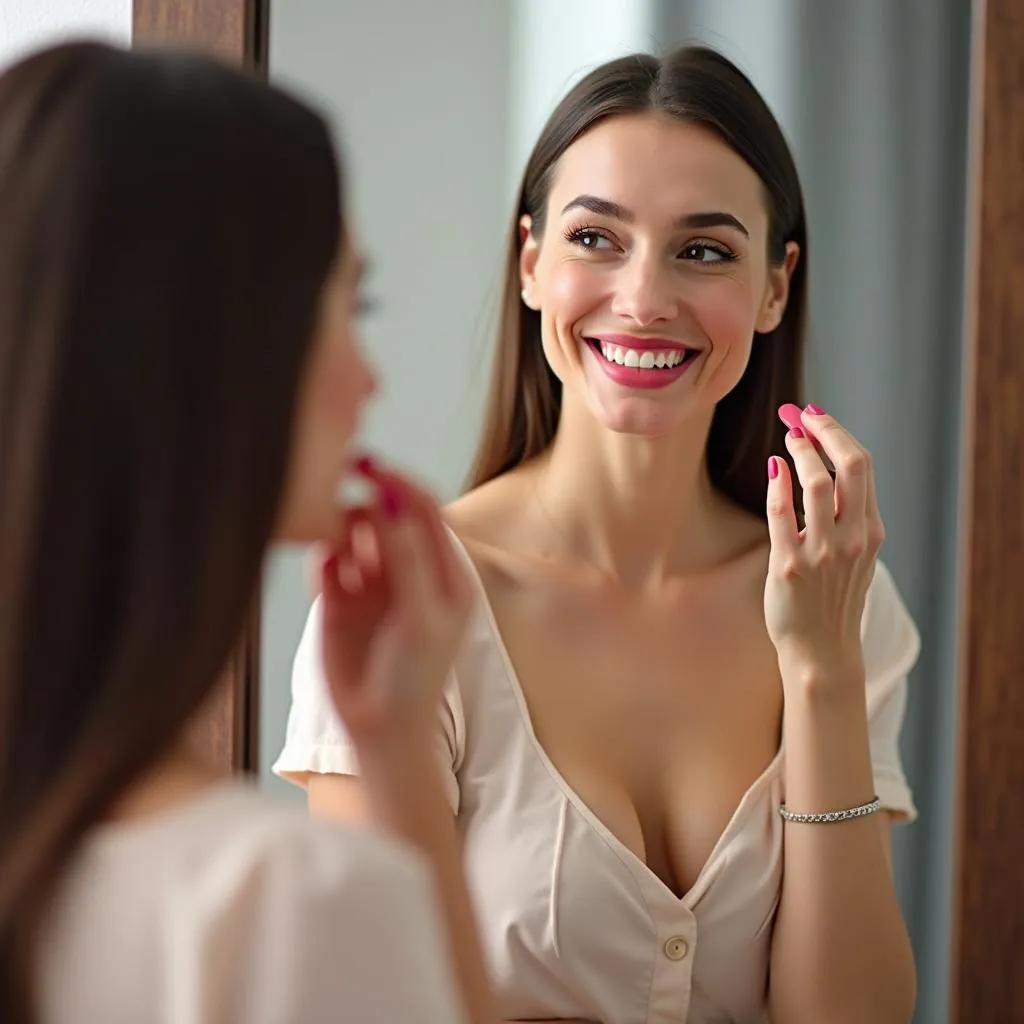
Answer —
(485, 513)
(490, 523)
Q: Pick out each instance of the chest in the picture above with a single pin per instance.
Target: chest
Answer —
(658, 713)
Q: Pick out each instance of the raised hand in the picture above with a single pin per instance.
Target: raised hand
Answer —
(818, 576)
(395, 601)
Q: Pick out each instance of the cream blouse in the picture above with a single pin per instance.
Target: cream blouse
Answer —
(235, 909)
(575, 924)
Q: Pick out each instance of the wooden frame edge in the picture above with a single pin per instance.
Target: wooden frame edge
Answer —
(986, 983)
(238, 32)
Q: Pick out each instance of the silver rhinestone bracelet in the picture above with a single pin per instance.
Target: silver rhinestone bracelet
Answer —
(829, 817)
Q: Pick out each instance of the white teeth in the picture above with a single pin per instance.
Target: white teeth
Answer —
(646, 360)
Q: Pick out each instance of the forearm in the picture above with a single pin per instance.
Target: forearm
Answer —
(840, 950)
(406, 797)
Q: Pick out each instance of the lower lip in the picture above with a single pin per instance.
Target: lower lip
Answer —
(635, 377)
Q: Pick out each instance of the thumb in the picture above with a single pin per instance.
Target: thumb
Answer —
(404, 556)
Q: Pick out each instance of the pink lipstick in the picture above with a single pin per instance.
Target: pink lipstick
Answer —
(636, 362)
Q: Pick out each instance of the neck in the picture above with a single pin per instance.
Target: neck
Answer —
(638, 508)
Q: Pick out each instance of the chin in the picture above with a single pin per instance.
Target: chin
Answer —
(638, 418)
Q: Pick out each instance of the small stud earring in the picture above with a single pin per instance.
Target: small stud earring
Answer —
(522, 294)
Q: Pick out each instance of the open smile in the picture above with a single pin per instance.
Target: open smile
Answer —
(641, 363)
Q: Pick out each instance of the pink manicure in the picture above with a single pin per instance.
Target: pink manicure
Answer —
(392, 502)
(773, 468)
(796, 433)
(790, 414)
(815, 410)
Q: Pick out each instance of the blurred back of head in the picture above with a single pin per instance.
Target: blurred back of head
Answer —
(167, 226)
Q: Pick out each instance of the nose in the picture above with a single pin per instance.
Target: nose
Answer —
(646, 292)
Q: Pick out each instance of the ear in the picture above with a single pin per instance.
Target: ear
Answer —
(776, 293)
(528, 253)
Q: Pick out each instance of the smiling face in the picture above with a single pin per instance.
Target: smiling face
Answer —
(652, 272)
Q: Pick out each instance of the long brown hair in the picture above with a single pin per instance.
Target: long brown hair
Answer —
(697, 86)
(167, 226)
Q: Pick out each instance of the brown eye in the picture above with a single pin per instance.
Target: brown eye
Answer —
(589, 239)
(700, 252)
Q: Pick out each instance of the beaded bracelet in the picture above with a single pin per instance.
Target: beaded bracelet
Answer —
(829, 817)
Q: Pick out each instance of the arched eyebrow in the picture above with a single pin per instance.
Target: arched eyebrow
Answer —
(608, 208)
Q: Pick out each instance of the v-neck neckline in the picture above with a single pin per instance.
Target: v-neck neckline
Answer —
(638, 866)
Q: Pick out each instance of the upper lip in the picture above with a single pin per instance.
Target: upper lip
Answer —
(640, 344)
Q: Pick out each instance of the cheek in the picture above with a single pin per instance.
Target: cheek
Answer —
(572, 291)
(727, 315)
(337, 384)
(342, 380)
(726, 312)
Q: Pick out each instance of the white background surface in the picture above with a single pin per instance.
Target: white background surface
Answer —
(26, 25)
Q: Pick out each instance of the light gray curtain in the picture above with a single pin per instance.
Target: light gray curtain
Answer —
(873, 97)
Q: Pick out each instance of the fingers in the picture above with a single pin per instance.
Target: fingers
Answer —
(395, 552)
(782, 525)
(423, 507)
(404, 549)
(333, 596)
(852, 463)
(351, 567)
(875, 534)
(844, 512)
(816, 485)
(793, 416)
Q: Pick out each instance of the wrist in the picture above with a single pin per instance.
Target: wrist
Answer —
(828, 752)
(394, 756)
(404, 786)
(822, 679)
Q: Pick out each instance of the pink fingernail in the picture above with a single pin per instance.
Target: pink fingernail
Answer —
(815, 410)
(790, 414)
(796, 433)
(391, 501)
(773, 468)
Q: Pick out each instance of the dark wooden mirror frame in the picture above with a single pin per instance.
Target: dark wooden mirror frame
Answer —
(235, 30)
(987, 976)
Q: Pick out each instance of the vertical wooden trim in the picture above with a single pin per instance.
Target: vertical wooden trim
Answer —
(233, 29)
(237, 31)
(247, 695)
(988, 931)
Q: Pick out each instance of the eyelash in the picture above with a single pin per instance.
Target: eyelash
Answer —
(575, 234)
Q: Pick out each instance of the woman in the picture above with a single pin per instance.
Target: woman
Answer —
(179, 380)
(677, 680)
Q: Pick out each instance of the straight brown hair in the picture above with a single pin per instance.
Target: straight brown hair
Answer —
(167, 226)
(698, 86)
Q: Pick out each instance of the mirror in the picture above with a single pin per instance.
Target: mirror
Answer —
(438, 106)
